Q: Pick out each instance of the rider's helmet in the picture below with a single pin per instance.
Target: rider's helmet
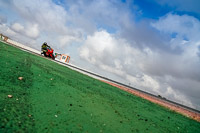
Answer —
(45, 43)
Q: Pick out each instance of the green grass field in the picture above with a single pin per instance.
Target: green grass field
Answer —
(53, 98)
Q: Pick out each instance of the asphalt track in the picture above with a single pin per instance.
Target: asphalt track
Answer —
(196, 112)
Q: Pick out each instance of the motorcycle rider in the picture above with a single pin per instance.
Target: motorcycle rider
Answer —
(44, 48)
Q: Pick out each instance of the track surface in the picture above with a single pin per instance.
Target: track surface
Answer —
(187, 111)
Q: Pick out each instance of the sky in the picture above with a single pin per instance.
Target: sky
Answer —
(153, 45)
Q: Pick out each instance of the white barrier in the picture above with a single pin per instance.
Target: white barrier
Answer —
(23, 46)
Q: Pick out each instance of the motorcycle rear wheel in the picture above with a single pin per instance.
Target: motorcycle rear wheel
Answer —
(53, 57)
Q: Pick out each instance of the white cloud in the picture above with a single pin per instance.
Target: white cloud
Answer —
(66, 40)
(97, 46)
(32, 31)
(17, 27)
(186, 26)
(90, 15)
(7, 30)
(107, 49)
(49, 16)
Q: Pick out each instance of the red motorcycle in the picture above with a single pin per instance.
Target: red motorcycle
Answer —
(49, 53)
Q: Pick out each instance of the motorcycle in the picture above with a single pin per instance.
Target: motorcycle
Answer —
(49, 53)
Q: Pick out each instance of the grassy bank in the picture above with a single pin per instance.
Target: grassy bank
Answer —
(53, 98)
